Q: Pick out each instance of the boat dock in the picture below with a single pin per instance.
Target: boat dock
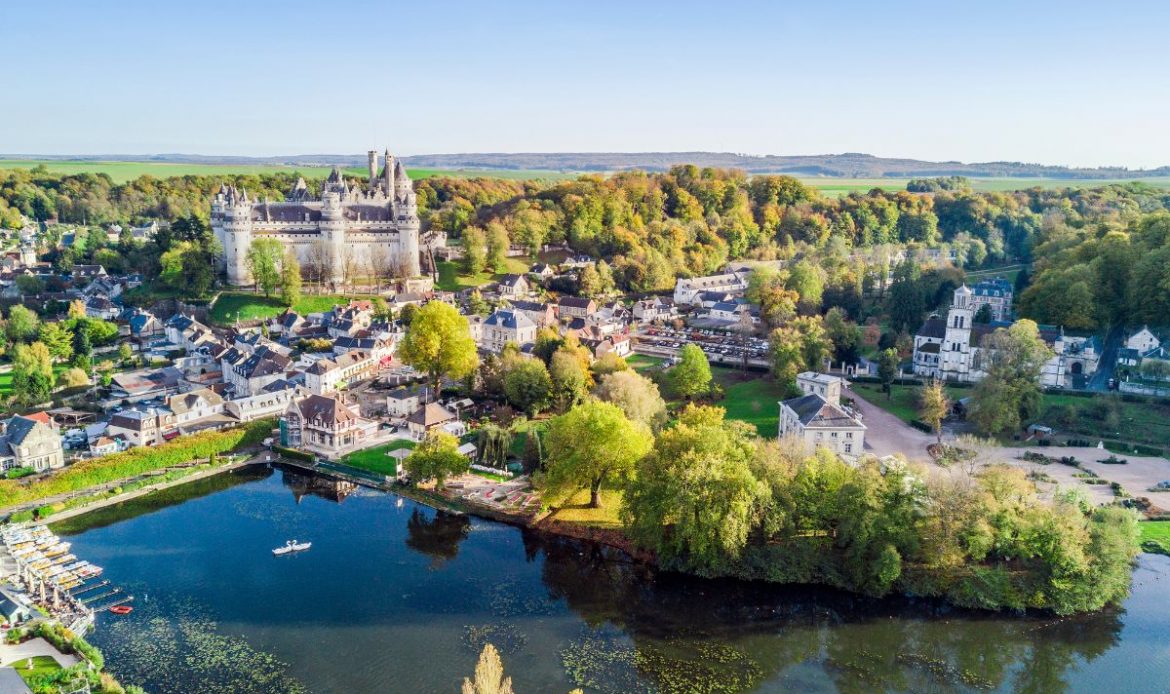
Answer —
(55, 580)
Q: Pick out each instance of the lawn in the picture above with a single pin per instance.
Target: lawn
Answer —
(42, 665)
(246, 306)
(450, 279)
(1109, 417)
(1155, 536)
(375, 459)
(576, 510)
(644, 362)
(6, 378)
(755, 401)
(903, 400)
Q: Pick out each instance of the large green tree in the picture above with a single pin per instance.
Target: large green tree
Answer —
(636, 395)
(1009, 394)
(691, 376)
(437, 458)
(591, 445)
(290, 279)
(438, 343)
(527, 385)
(263, 261)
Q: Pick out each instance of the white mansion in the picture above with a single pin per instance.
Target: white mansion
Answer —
(949, 349)
(819, 419)
(347, 231)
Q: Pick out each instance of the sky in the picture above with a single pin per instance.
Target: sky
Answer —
(1074, 83)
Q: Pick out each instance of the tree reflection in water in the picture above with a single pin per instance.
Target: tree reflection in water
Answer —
(691, 634)
(436, 536)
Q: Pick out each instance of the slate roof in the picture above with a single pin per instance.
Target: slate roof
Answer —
(575, 301)
(814, 412)
(512, 320)
(408, 392)
(328, 410)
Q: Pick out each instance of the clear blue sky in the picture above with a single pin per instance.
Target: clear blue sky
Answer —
(1069, 82)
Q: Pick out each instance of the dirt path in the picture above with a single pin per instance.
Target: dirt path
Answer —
(886, 434)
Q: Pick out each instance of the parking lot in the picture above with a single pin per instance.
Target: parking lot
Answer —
(718, 345)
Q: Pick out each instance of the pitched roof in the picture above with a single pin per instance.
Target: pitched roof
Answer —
(431, 415)
(512, 320)
(576, 301)
(815, 412)
(326, 409)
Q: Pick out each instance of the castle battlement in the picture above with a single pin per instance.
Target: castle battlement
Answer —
(344, 230)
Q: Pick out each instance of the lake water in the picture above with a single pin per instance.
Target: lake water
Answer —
(394, 597)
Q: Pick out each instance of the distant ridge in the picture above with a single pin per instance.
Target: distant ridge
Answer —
(846, 165)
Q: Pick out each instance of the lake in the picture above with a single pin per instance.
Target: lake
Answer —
(396, 597)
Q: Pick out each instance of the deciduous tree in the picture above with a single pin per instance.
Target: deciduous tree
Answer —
(437, 458)
(438, 343)
(691, 377)
(591, 445)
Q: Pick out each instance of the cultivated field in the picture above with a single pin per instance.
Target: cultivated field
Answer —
(122, 171)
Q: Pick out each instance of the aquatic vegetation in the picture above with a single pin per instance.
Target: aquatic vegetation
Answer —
(176, 648)
(507, 638)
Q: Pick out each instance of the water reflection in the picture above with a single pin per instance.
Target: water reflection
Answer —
(759, 631)
(436, 535)
(303, 484)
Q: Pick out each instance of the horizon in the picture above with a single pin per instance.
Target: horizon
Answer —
(1048, 83)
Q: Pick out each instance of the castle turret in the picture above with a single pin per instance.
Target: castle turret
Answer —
(333, 233)
(388, 174)
(373, 156)
(231, 221)
(406, 216)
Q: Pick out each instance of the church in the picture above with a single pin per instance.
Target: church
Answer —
(948, 349)
(344, 234)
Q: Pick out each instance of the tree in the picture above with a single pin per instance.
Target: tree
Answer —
(636, 395)
(125, 353)
(800, 345)
(548, 341)
(82, 345)
(590, 445)
(437, 458)
(933, 406)
(983, 315)
(290, 279)
(30, 284)
(407, 314)
(528, 386)
(73, 378)
(845, 335)
(1012, 359)
(263, 261)
(474, 250)
(568, 379)
(494, 444)
(489, 675)
(906, 302)
(32, 373)
(76, 309)
(58, 339)
(23, 324)
(438, 343)
(695, 497)
(692, 375)
(767, 287)
(497, 247)
(608, 363)
(888, 369)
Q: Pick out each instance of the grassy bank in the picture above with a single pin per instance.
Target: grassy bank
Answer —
(376, 459)
(451, 279)
(1155, 536)
(132, 463)
(245, 306)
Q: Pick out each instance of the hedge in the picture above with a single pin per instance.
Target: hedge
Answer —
(134, 462)
(293, 453)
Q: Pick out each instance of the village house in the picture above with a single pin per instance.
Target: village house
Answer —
(143, 384)
(654, 309)
(997, 295)
(248, 374)
(542, 271)
(31, 441)
(195, 405)
(405, 401)
(144, 326)
(576, 307)
(686, 289)
(512, 285)
(818, 418)
(428, 417)
(327, 375)
(87, 272)
(102, 308)
(505, 326)
(272, 400)
(323, 424)
(541, 313)
(143, 426)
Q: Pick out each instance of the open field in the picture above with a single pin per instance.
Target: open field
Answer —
(836, 187)
(232, 306)
(375, 459)
(122, 171)
(1155, 536)
(755, 401)
(450, 279)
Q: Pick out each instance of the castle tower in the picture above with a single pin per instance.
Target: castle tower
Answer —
(333, 234)
(231, 221)
(406, 211)
(388, 174)
(957, 354)
(373, 156)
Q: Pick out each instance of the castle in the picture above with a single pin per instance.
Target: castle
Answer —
(346, 233)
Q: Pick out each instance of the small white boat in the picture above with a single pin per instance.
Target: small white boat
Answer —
(292, 546)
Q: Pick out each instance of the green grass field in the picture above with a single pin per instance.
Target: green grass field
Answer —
(903, 400)
(450, 279)
(644, 362)
(1155, 536)
(755, 401)
(232, 306)
(41, 665)
(376, 460)
(1108, 417)
(123, 171)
